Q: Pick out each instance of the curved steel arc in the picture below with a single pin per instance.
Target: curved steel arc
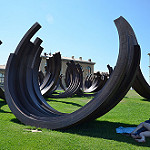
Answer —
(140, 85)
(74, 81)
(29, 106)
(52, 74)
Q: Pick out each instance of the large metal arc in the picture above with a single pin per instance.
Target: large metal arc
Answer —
(141, 86)
(74, 81)
(28, 107)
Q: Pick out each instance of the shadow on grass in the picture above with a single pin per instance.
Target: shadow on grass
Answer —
(145, 99)
(2, 103)
(15, 120)
(100, 129)
(85, 95)
(74, 104)
(105, 130)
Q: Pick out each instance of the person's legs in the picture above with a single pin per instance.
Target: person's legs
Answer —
(138, 127)
(143, 135)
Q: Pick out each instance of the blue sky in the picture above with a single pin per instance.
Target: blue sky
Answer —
(76, 27)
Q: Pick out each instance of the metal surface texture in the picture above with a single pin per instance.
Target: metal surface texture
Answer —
(28, 105)
(141, 86)
(73, 80)
(94, 82)
(50, 82)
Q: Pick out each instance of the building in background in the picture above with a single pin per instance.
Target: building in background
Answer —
(87, 67)
(2, 74)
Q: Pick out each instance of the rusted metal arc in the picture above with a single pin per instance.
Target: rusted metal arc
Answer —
(48, 73)
(52, 82)
(52, 91)
(131, 66)
(67, 76)
(100, 82)
(74, 84)
(34, 83)
(126, 84)
(27, 104)
(96, 82)
(79, 91)
(88, 82)
(141, 86)
(79, 73)
(76, 79)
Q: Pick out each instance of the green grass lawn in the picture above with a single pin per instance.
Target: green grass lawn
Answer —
(96, 135)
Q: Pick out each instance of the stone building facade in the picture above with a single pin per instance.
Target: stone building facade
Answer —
(87, 67)
(2, 74)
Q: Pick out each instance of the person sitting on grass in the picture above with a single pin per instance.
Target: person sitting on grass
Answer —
(141, 131)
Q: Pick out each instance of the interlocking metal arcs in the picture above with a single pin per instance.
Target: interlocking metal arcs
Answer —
(53, 68)
(23, 94)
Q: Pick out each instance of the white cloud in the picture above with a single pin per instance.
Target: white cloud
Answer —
(49, 19)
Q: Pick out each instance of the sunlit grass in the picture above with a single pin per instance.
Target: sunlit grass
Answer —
(95, 135)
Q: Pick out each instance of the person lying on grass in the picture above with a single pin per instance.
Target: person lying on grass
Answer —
(141, 131)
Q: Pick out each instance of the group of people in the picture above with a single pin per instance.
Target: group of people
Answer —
(141, 131)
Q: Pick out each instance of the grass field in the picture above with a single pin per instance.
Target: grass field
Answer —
(96, 135)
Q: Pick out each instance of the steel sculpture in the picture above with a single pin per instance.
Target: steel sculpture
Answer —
(79, 71)
(24, 97)
(74, 81)
(100, 81)
(60, 82)
(79, 91)
(88, 82)
(141, 86)
(94, 82)
(50, 82)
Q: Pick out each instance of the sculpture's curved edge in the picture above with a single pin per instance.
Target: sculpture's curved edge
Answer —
(91, 110)
(74, 84)
(131, 50)
(141, 86)
(28, 36)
